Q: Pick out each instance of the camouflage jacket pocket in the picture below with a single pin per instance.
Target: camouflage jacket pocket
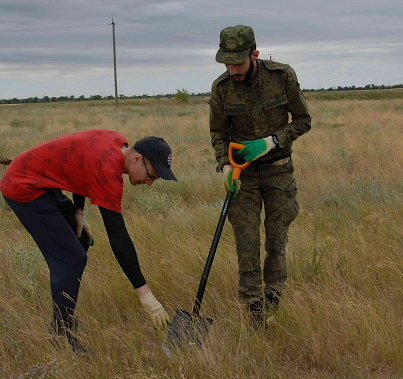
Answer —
(275, 102)
(240, 121)
(235, 110)
(276, 110)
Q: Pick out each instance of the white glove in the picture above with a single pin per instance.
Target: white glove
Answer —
(155, 310)
(225, 170)
(270, 144)
(81, 223)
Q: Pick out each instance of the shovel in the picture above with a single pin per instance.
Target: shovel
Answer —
(189, 329)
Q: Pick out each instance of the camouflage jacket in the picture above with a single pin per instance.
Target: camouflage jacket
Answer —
(245, 112)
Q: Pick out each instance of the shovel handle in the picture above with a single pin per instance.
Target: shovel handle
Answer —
(237, 167)
(235, 175)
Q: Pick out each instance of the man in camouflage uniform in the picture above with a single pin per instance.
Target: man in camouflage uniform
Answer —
(250, 104)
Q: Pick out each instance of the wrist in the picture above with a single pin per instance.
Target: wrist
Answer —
(143, 290)
(227, 167)
(275, 140)
(80, 211)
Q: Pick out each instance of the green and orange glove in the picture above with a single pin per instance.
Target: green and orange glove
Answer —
(257, 148)
(231, 185)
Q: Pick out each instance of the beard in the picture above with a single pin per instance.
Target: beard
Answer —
(247, 75)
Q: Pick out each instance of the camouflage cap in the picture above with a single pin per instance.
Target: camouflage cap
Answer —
(235, 44)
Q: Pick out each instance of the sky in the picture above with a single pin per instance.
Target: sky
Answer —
(65, 48)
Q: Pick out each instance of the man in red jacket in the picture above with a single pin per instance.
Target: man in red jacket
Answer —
(88, 164)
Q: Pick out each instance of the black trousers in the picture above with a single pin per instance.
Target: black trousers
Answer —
(50, 221)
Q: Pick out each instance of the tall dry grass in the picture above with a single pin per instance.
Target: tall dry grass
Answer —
(341, 314)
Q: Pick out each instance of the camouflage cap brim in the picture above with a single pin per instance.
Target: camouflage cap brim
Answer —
(232, 57)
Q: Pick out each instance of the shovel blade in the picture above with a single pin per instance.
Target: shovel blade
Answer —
(186, 329)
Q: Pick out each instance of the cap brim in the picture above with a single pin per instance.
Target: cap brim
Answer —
(228, 57)
(163, 172)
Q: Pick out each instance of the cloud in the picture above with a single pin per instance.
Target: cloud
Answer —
(168, 7)
(165, 45)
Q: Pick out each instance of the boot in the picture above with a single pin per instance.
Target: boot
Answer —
(75, 345)
(257, 315)
(59, 328)
(272, 300)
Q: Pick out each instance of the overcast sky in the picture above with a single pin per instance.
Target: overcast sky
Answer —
(58, 47)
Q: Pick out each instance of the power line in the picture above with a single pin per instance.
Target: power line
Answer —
(114, 62)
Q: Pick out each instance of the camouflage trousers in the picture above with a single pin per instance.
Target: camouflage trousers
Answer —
(274, 188)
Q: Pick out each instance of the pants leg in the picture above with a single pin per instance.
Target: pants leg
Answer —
(281, 208)
(64, 254)
(244, 216)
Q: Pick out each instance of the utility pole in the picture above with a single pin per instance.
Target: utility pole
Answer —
(114, 62)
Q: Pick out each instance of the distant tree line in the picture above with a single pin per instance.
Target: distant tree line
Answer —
(354, 88)
(48, 99)
(180, 95)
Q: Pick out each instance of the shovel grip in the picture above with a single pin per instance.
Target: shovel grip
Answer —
(237, 167)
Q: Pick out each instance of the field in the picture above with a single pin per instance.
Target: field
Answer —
(341, 315)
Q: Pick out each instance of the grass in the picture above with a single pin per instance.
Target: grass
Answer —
(341, 314)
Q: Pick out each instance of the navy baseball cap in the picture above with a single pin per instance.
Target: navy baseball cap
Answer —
(158, 152)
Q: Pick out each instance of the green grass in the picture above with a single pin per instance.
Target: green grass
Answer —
(341, 313)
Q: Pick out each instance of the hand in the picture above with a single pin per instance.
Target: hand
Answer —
(81, 223)
(257, 148)
(231, 185)
(155, 310)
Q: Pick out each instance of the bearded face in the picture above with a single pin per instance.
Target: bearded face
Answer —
(241, 72)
